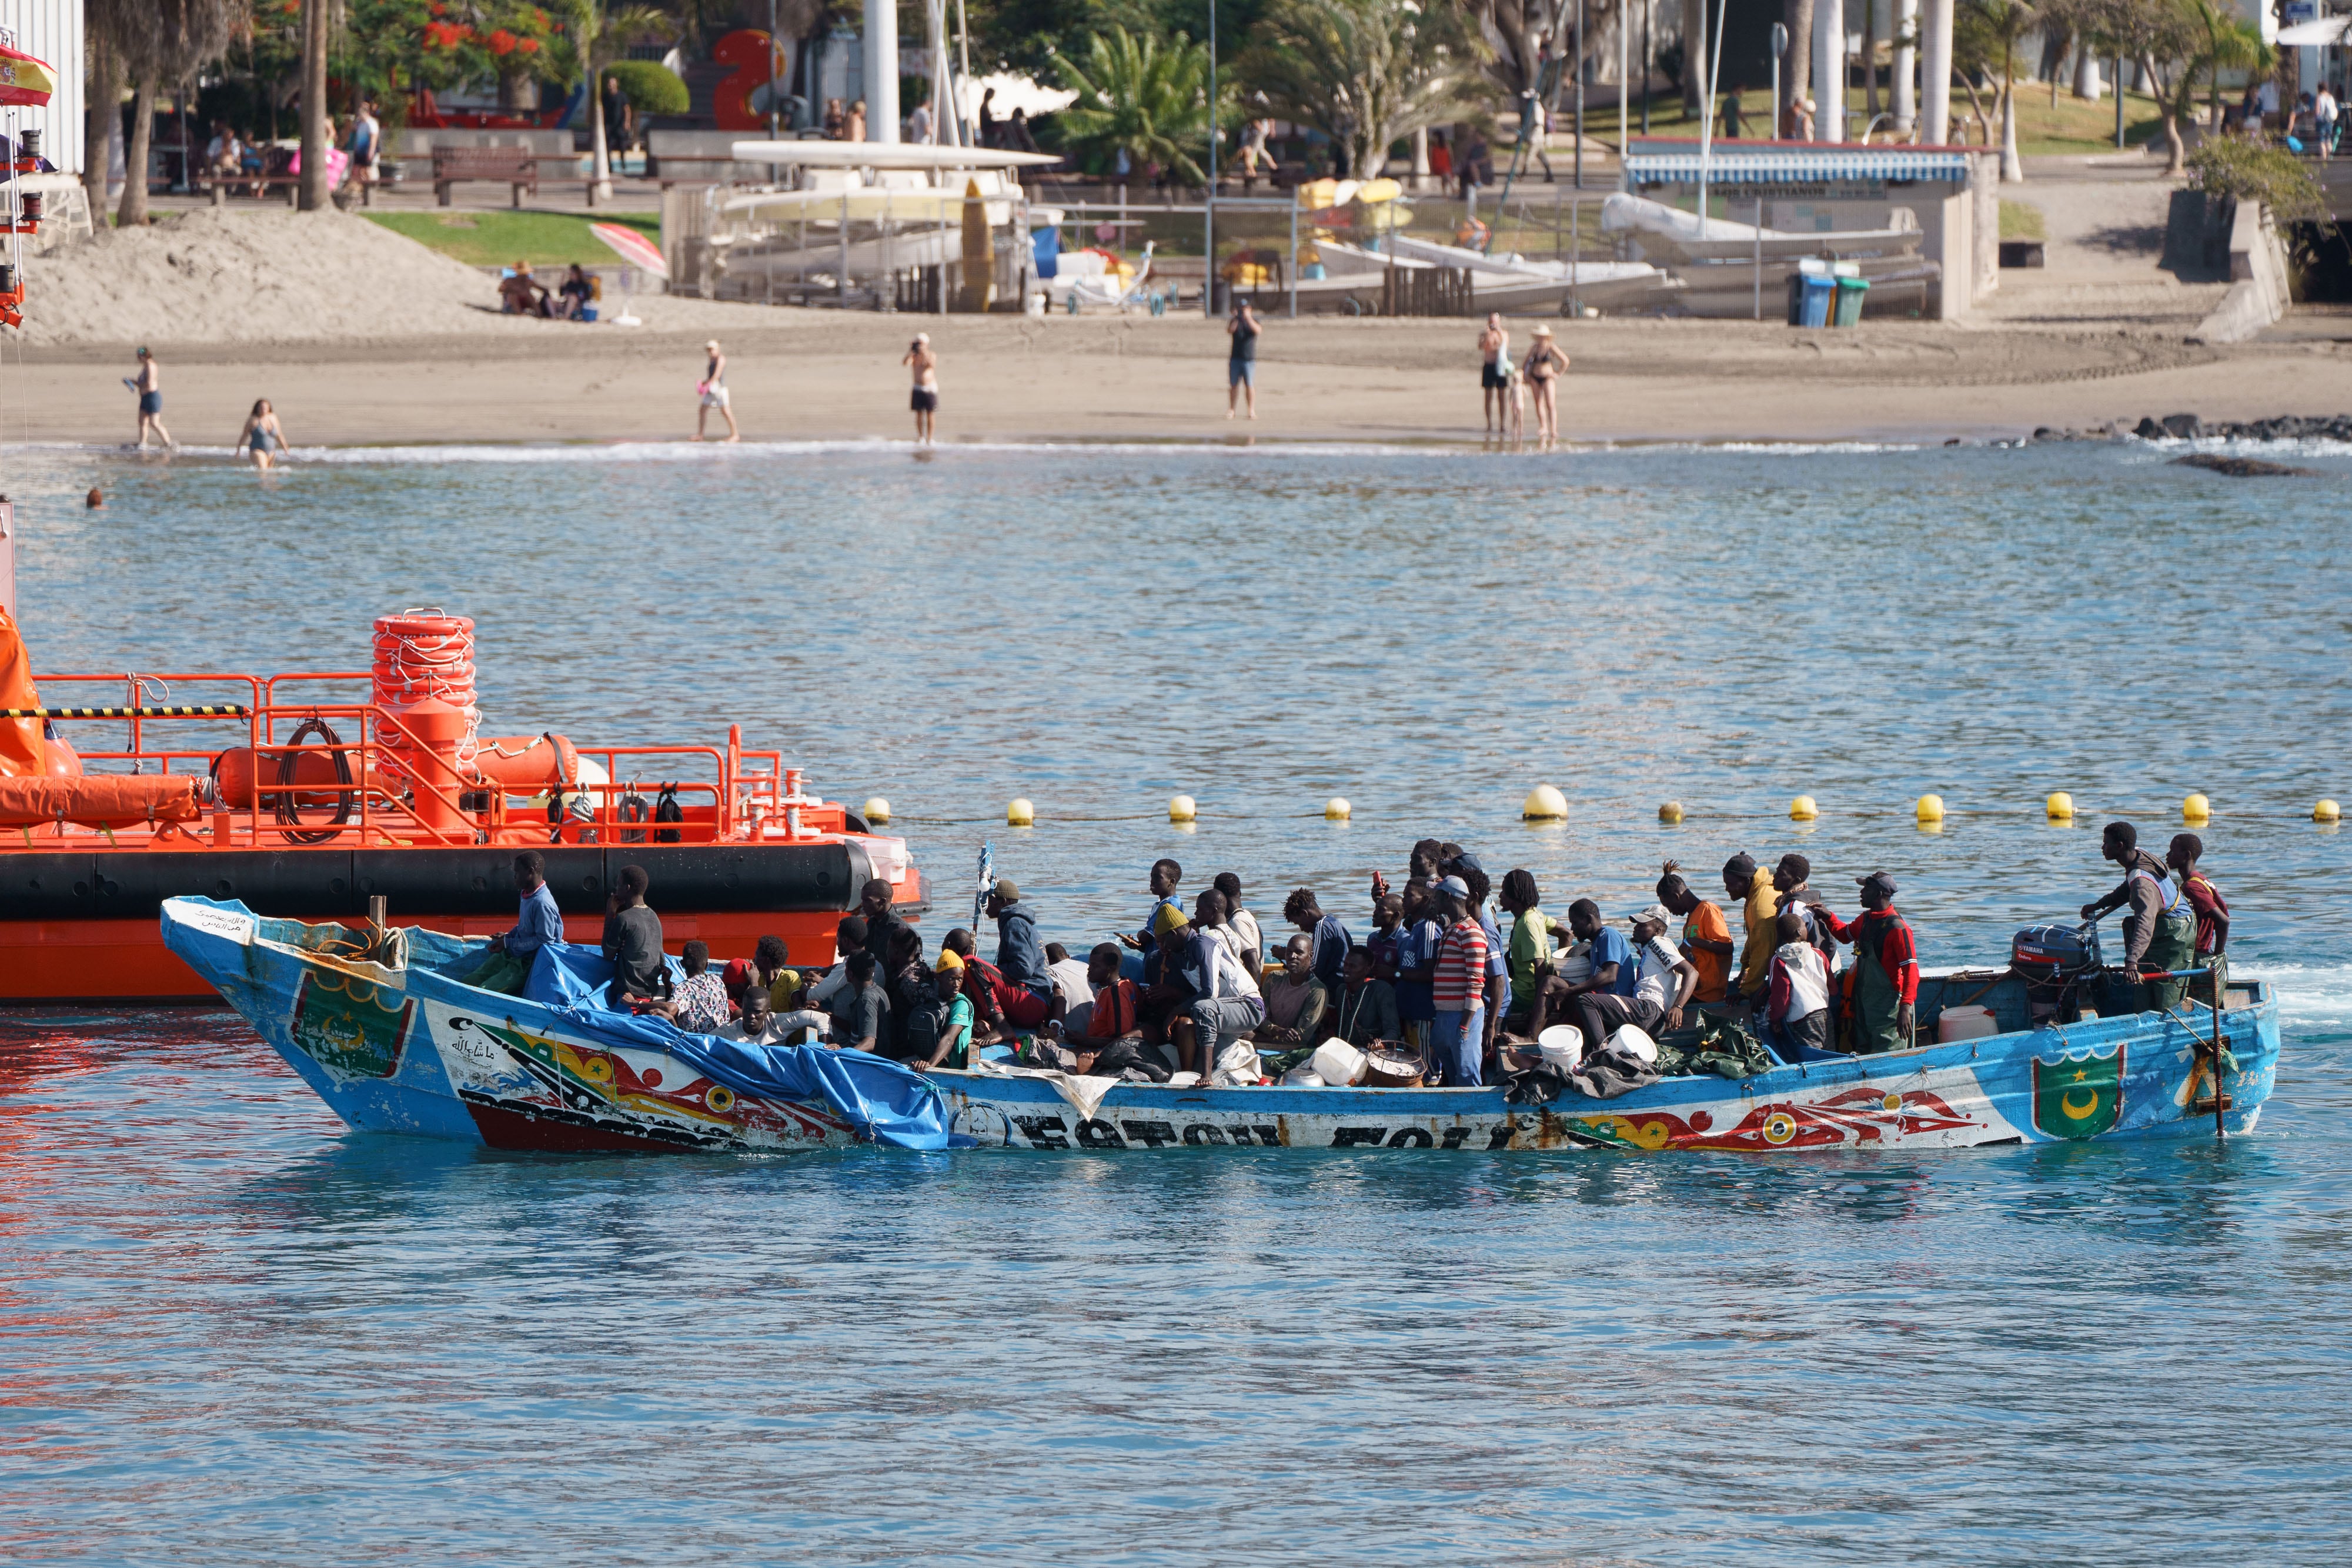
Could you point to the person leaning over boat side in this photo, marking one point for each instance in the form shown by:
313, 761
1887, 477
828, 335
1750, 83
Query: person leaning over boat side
1366, 1009
633, 942
1458, 987
537, 921
1211, 1033
2212, 910
1760, 907
1707, 939
262, 435
1885, 987
1797, 1006
702, 1006
2160, 931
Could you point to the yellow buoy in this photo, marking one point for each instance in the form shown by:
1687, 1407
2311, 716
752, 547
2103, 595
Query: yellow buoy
1020, 813
1180, 808
1337, 810
878, 810
2059, 807
1931, 808
1544, 804
1672, 811
2327, 812
2196, 809
1802, 809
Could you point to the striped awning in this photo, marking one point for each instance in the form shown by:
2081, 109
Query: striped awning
1744, 166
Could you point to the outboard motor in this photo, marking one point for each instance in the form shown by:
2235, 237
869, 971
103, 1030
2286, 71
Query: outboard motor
2053, 959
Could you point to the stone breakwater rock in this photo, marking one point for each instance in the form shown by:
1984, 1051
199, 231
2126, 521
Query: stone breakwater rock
2246, 468
2286, 428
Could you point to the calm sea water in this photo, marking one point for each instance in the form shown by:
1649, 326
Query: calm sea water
231, 1333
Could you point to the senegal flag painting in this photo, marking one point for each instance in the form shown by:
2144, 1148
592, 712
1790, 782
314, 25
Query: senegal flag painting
2078, 1096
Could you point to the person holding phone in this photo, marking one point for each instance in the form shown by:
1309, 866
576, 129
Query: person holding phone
925, 361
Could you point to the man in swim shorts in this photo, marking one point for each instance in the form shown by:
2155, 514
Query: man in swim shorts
1495, 372
148, 384
925, 400
1241, 367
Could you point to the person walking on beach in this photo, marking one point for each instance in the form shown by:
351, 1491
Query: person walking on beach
261, 437
1545, 365
1240, 368
148, 384
924, 360
713, 390
1495, 370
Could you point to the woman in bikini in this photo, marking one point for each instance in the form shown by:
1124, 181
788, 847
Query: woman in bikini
1545, 365
261, 437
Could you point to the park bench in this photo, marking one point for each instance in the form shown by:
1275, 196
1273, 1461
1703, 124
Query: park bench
515, 167
222, 187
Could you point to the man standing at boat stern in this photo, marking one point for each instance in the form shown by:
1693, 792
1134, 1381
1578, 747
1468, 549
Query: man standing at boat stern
632, 942
2160, 931
1886, 968
1458, 986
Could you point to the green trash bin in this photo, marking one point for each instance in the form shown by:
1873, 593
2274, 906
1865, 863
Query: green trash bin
1849, 292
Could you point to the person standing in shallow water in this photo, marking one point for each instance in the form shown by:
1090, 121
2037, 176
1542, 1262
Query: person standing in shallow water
1241, 366
924, 360
148, 384
713, 392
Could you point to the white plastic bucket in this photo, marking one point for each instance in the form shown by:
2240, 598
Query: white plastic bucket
1303, 1077
1964, 1023
1635, 1042
1337, 1062
1562, 1046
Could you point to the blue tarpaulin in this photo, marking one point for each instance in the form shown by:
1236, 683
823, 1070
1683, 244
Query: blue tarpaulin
887, 1102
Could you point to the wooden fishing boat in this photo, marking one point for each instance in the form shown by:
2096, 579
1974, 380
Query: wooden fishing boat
383, 1027
310, 793
2137, 1075
380, 1024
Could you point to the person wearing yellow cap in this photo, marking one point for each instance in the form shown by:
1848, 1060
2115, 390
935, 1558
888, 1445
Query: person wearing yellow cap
954, 1046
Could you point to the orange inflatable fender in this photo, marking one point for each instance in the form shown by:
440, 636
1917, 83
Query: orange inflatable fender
98, 801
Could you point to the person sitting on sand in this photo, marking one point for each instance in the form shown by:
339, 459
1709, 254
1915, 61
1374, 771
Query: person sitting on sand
924, 360
575, 293
262, 437
520, 294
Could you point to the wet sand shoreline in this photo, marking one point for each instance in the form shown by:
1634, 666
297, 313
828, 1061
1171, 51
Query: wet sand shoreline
831, 375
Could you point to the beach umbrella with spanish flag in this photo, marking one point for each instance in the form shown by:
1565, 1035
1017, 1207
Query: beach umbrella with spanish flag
24, 79
631, 248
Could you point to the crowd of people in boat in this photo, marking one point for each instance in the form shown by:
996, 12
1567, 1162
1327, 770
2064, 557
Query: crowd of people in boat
1457, 972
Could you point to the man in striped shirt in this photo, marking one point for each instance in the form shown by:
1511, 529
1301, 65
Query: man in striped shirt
1458, 1036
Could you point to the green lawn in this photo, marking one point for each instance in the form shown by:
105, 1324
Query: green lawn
2018, 221
2072, 126
501, 239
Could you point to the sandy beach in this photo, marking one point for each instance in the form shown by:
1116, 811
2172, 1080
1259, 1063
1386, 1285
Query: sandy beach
362, 337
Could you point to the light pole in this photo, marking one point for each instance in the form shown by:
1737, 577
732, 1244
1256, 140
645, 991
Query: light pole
1779, 48
1209, 205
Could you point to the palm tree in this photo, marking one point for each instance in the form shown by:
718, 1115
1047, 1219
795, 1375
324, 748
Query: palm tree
2003, 23
1141, 96
2231, 42
598, 37
1365, 72
155, 43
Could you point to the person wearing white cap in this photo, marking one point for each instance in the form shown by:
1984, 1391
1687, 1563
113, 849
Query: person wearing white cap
713, 391
1544, 367
925, 361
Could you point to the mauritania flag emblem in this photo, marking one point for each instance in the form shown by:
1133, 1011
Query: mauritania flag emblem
2078, 1096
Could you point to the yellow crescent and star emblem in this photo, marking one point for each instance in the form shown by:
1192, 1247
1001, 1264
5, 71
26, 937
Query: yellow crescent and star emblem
2078, 1096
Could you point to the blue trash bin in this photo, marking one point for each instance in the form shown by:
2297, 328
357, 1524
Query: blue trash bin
1819, 295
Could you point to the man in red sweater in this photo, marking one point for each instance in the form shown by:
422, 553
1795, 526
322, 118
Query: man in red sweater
1886, 968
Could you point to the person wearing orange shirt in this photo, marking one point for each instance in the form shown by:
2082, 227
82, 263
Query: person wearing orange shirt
1706, 938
